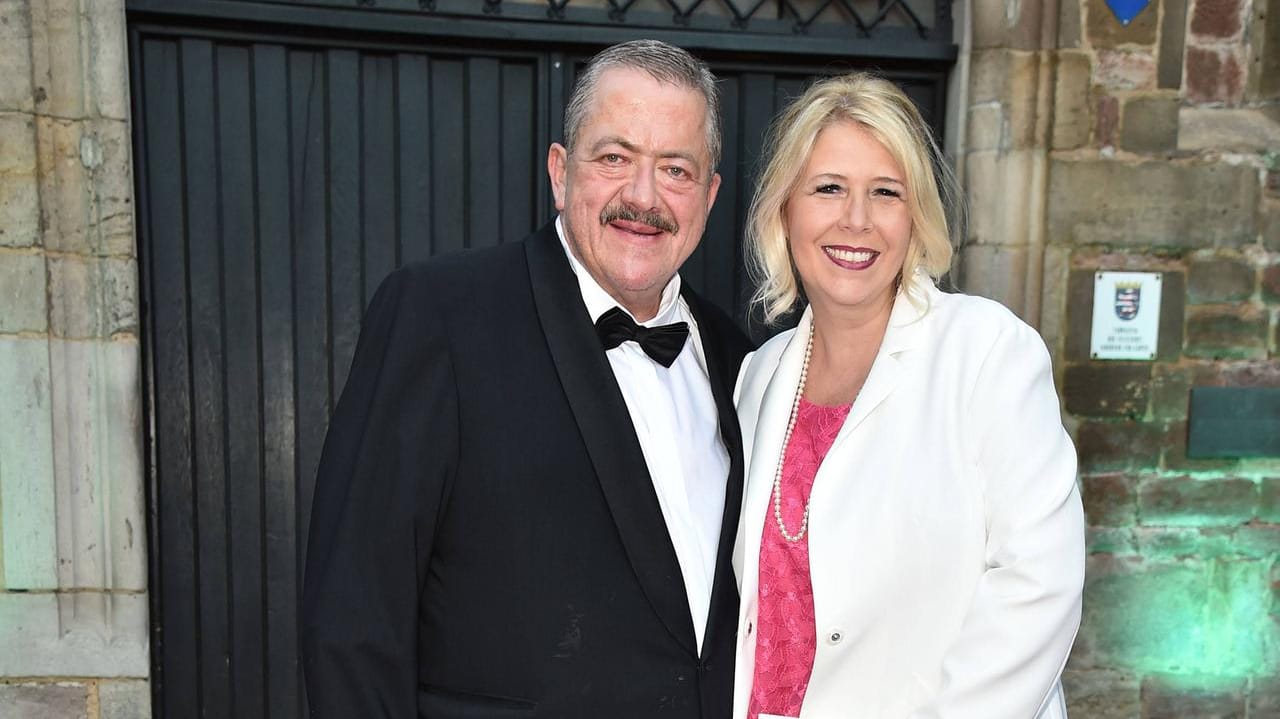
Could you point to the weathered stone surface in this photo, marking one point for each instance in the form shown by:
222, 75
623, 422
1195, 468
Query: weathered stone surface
994, 219
1109, 500
86, 185
985, 127
1186, 502
997, 272
22, 292
1071, 100
58, 58
1105, 31
1264, 698
1219, 128
1110, 389
15, 56
1269, 500
1100, 694
106, 59
1008, 77
124, 699
1271, 225
1257, 541
1163, 544
1217, 19
1120, 70
92, 298
1220, 279
1176, 459
1227, 333
1109, 540
1008, 25
1214, 75
1069, 24
64, 700
1106, 121
1180, 205
1119, 446
17, 144
19, 210
98, 464
1170, 392
1173, 28
26, 466
1178, 696
1271, 284
63, 635
1150, 124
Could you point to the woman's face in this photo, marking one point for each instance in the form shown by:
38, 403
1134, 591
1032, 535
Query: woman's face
848, 221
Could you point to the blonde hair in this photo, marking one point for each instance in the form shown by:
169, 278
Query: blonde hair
889, 115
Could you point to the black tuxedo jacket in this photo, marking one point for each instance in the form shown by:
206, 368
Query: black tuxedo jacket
485, 537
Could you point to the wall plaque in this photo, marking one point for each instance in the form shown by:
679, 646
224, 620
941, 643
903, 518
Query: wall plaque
1126, 315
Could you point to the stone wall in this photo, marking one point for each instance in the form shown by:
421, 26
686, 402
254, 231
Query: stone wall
73, 571
1151, 147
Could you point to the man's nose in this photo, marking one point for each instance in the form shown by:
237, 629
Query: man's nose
641, 190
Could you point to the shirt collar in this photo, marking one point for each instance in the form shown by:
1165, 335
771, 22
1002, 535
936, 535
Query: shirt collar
598, 301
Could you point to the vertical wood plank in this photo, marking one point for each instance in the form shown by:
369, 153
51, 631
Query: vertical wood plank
346, 265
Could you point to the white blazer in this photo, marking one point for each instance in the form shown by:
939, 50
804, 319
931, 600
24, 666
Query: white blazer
946, 535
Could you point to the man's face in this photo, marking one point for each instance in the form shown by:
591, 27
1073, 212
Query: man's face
635, 192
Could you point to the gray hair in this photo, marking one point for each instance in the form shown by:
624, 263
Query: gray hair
665, 63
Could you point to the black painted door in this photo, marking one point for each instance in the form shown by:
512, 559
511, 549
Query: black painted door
281, 173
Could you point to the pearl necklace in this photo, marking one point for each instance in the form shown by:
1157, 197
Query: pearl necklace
786, 440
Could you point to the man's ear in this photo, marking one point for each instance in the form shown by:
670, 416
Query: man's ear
557, 166
712, 190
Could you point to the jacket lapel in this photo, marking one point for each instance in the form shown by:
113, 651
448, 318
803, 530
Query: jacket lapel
724, 590
605, 424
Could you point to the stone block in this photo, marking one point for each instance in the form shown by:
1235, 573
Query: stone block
15, 56
59, 57
1071, 118
1170, 392
1220, 128
1100, 693
1111, 389
1119, 446
1109, 500
1152, 204
1264, 698
1122, 70
1105, 31
1007, 25
22, 292
1109, 540
1258, 541
1176, 459
985, 127
1271, 284
1163, 544
997, 272
1187, 502
1271, 226
1056, 269
1248, 373
1269, 500
26, 467
1010, 78
48, 634
98, 462
1217, 19
1176, 696
1173, 28
1214, 75
1220, 279
105, 46
19, 210
87, 185
1080, 315
92, 297
124, 699
1150, 124
63, 700
17, 144
1177, 616
1106, 121
1227, 333
1069, 24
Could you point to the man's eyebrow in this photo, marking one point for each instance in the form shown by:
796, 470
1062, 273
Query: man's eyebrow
632, 147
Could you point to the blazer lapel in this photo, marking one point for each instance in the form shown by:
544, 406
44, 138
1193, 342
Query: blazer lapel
724, 590
605, 424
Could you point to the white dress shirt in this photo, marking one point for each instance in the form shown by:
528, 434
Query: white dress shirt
676, 420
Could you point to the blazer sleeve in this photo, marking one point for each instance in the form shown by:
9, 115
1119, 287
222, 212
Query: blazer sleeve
389, 453
1025, 612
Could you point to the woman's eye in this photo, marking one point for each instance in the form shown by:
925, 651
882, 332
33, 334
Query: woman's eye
828, 189
887, 192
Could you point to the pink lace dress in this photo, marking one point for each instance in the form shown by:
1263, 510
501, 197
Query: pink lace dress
786, 634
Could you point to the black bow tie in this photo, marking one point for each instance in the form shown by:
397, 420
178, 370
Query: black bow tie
662, 343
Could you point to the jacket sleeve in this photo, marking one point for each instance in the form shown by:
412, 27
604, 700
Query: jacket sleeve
1025, 611
387, 459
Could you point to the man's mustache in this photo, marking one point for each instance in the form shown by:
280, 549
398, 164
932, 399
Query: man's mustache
652, 218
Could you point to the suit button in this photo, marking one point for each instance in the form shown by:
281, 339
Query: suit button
834, 637
750, 626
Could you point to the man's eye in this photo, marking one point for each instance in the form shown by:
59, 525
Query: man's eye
612, 158
677, 172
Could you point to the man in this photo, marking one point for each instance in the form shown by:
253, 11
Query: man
526, 502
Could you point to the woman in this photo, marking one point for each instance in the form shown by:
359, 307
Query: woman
918, 551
